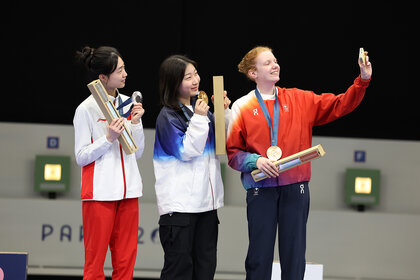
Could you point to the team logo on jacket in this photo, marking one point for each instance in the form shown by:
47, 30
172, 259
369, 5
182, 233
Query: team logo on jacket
255, 112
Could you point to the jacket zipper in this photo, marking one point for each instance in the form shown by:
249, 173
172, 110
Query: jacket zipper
123, 172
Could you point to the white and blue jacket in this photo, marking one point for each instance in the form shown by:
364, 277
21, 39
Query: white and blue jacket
187, 170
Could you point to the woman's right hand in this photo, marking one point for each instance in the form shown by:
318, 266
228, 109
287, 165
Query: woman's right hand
201, 107
115, 128
267, 167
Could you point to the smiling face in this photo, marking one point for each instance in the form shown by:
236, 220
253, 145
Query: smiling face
266, 70
190, 83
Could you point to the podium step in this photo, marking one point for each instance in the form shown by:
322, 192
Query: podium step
313, 271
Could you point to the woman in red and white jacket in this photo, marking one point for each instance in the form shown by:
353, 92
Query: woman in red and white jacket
267, 122
111, 181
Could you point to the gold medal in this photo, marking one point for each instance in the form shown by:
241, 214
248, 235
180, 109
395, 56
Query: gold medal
202, 95
274, 153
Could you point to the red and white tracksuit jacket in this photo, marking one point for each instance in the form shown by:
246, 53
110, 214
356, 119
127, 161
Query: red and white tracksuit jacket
107, 172
249, 135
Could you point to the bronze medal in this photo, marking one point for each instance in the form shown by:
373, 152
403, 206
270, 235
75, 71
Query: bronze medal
274, 153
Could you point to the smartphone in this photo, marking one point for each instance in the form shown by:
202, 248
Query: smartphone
362, 56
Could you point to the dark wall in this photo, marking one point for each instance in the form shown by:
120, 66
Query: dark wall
316, 45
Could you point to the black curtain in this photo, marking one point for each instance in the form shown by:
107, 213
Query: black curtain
316, 45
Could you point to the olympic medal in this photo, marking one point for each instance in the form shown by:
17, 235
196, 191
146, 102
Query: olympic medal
274, 153
202, 95
137, 97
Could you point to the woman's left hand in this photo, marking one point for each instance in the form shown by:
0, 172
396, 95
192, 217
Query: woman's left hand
365, 68
226, 100
136, 113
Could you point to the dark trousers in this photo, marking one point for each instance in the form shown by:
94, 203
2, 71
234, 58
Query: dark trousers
284, 208
189, 241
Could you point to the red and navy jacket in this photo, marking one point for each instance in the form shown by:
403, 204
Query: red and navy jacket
249, 135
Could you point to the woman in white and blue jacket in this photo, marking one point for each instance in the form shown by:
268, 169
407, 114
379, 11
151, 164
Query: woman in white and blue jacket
189, 186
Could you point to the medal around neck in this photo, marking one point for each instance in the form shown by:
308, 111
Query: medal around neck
274, 153
137, 97
202, 95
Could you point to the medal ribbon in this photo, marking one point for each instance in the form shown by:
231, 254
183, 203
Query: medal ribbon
184, 110
121, 106
275, 127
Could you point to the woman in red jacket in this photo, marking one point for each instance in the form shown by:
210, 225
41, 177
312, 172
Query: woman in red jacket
272, 122
111, 181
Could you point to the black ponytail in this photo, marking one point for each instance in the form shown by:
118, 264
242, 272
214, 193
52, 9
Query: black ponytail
103, 60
